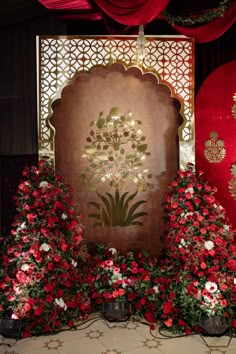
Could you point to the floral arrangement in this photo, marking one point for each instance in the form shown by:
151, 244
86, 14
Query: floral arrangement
129, 277
49, 280
45, 284
198, 270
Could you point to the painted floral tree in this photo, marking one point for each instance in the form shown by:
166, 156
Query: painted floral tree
116, 151
45, 284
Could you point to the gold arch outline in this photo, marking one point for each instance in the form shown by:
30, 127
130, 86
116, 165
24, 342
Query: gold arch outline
126, 66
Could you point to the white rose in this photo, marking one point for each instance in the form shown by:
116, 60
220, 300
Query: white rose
113, 251
64, 216
208, 245
24, 267
156, 289
43, 184
60, 302
44, 247
73, 263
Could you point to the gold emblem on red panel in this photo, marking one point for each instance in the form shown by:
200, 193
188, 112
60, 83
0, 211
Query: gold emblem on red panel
232, 182
234, 106
214, 148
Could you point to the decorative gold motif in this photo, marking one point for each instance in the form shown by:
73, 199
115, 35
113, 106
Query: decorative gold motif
234, 106
60, 57
232, 182
214, 148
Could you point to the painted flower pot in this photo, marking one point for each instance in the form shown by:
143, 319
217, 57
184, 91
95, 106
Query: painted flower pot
117, 311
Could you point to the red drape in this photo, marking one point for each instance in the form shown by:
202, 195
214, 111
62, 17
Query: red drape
132, 12
212, 30
135, 12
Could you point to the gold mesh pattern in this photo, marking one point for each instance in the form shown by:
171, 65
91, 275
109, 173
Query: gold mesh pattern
60, 57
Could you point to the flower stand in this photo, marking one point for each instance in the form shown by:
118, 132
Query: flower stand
215, 326
117, 311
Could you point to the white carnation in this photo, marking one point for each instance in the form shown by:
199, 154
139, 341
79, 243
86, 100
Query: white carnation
44, 247
156, 289
43, 184
24, 267
60, 302
209, 245
113, 251
73, 263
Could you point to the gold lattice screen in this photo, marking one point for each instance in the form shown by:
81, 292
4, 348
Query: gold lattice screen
59, 58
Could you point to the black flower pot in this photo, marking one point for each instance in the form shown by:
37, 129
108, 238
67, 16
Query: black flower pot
117, 311
10, 328
214, 325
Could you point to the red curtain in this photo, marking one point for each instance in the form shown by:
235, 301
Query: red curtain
132, 12
135, 12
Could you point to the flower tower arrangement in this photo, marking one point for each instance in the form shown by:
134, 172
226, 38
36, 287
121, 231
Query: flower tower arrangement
125, 278
46, 282
199, 267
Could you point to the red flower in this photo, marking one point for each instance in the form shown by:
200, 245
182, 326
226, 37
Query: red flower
167, 307
168, 322
38, 311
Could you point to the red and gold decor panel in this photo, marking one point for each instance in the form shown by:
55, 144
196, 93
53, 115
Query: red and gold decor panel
117, 129
215, 134
119, 151
60, 57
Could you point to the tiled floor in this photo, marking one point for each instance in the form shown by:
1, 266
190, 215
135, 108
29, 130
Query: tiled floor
98, 336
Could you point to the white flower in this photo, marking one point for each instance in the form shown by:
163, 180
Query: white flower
113, 251
44, 247
208, 245
23, 225
43, 184
60, 302
156, 289
64, 216
234, 281
211, 286
189, 190
73, 263
24, 267
226, 227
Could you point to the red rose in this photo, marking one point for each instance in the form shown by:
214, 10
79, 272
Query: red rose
49, 298
168, 322
167, 307
38, 311
27, 307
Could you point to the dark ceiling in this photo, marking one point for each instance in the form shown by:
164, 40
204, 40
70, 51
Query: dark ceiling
16, 11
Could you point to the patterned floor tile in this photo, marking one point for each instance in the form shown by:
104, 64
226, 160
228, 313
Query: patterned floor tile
122, 339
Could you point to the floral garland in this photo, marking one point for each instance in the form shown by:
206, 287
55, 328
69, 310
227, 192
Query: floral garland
203, 18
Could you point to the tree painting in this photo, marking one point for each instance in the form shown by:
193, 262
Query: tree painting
116, 151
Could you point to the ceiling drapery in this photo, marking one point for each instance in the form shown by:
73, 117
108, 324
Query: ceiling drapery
135, 12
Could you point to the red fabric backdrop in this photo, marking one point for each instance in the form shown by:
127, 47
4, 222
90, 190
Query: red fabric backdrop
136, 12
213, 113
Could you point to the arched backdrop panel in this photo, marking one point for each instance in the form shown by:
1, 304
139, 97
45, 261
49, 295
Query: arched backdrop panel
82, 150
83, 67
